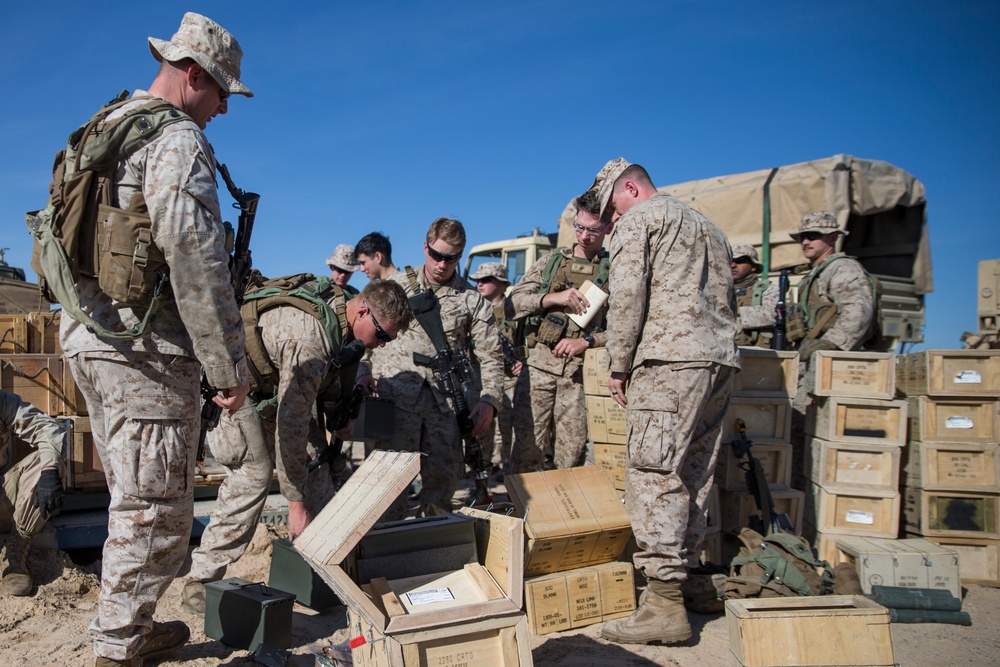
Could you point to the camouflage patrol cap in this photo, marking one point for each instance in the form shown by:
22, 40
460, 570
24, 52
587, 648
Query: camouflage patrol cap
748, 251
824, 222
208, 44
604, 183
343, 258
491, 270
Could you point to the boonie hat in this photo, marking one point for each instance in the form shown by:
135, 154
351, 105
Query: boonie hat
746, 250
343, 258
605, 181
208, 44
824, 222
491, 270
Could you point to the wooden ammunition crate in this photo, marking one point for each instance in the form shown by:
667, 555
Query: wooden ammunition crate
739, 506
978, 559
44, 380
952, 514
868, 513
767, 373
43, 332
711, 549
612, 459
775, 460
13, 334
907, 563
84, 468
606, 420
579, 597
952, 466
472, 613
809, 631
854, 374
963, 373
843, 466
573, 518
595, 372
954, 420
768, 420
862, 420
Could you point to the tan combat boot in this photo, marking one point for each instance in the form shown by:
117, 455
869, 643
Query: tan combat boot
165, 638
16, 578
661, 617
193, 597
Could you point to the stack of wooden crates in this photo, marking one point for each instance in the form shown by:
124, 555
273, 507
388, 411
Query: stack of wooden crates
605, 419
855, 432
32, 366
951, 490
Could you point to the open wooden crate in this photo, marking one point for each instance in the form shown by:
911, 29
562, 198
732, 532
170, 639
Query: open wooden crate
419, 619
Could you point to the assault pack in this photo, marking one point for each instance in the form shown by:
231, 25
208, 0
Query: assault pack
779, 565
81, 232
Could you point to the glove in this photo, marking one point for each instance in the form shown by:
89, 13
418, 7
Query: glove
49, 493
810, 346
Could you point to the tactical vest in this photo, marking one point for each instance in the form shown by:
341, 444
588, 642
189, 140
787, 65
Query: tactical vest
308, 293
752, 295
82, 232
557, 276
820, 315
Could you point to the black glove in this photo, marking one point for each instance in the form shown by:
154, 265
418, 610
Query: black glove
808, 347
49, 494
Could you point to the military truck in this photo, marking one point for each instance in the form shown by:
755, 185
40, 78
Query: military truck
516, 254
882, 207
17, 295
987, 337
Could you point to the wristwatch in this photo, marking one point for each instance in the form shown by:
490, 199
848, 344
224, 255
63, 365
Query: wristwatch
590, 339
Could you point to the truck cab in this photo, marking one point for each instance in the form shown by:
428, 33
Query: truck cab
516, 254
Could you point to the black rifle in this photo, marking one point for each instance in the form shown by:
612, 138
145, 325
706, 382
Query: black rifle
240, 265
779, 341
452, 372
344, 410
511, 353
769, 521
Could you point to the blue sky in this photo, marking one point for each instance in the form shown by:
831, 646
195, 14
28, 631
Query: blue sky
386, 115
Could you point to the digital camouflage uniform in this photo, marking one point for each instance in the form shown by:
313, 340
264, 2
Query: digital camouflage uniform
143, 395
755, 323
249, 446
425, 420
671, 325
498, 440
17, 486
549, 403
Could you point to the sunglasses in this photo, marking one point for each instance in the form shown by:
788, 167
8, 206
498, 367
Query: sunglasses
441, 257
742, 260
380, 333
810, 236
580, 229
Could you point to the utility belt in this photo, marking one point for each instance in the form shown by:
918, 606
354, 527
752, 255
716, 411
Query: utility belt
550, 329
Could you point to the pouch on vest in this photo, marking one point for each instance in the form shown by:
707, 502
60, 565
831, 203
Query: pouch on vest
552, 328
795, 325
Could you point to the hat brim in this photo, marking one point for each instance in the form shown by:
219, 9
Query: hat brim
164, 50
796, 235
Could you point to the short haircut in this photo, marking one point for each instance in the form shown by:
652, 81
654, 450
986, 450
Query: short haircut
389, 302
373, 243
633, 172
589, 202
450, 231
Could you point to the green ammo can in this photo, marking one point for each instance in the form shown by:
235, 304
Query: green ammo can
242, 614
290, 572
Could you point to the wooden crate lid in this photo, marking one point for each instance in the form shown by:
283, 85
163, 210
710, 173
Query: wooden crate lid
566, 502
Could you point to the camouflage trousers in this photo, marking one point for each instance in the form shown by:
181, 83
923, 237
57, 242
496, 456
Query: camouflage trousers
144, 414
547, 408
423, 427
674, 418
244, 445
17, 497
499, 438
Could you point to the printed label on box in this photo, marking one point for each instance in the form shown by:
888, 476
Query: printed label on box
430, 595
857, 516
959, 422
969, 377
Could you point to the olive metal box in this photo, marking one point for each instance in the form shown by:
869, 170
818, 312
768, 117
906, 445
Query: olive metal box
290, 572
242, 614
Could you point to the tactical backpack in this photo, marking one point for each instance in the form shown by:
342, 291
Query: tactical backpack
80, 232
779, 565
310, 294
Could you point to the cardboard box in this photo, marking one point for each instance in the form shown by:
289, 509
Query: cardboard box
606, 420
573, 518
978, 559
855, 374
245, 615
862, 420
595, 372
739, 506
437, 615
13, 334
774, 459
907, 563
954, 419
809, 631
44, 380
963, 373
612, 459
840, 466
952, 514
864, 513
767, 373
580, 597
768, 420
952, 466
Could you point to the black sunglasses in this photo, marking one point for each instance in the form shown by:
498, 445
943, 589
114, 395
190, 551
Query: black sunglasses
441, 257
380, 333
742, 260
810, 236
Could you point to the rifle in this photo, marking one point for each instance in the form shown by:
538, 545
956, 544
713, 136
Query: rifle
511, 353
240, 265
779, 341
769, 521
344, 410
452, 372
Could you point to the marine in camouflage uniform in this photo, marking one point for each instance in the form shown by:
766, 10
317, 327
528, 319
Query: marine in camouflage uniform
288, 432
756, 320
549, 404
425, 420
671, 334
492, 283
342, 264
28, 487
143, 395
